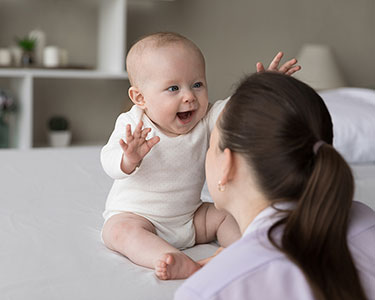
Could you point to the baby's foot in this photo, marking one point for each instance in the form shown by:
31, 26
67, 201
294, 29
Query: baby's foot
175, 265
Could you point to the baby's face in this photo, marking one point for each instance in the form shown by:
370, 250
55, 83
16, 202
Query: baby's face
174, 88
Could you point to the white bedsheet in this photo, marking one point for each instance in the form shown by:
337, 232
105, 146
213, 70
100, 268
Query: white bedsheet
51, 201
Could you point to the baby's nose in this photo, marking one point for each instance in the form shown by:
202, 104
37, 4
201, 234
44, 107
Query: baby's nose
189, 96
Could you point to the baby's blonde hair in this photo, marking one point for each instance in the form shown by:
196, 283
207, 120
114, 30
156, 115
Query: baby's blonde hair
153, 41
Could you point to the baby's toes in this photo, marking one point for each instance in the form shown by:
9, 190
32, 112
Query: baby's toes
164, 276
160, 264
161, 274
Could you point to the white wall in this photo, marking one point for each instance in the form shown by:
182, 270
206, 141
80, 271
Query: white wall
67, 24
235, 34
91, 106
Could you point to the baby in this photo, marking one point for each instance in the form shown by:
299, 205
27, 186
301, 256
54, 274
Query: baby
154, 208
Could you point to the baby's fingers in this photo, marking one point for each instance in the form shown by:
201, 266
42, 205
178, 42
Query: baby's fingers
153, 141
123, 145
293, 70
275, 62
145, 132
260, 67
138, 130
288, 65
128, 133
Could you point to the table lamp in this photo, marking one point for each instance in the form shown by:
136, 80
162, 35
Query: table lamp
319, 69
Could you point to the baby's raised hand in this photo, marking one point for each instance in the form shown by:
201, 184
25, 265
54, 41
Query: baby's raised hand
136, 147
287, 68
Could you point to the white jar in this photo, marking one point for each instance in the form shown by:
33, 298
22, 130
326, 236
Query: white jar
16, 53
51, 57
5, 57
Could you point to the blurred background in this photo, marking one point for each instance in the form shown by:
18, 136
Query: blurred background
80, 75
234, 35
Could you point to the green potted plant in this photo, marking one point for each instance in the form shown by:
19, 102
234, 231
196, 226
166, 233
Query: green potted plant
59, 133
27, 45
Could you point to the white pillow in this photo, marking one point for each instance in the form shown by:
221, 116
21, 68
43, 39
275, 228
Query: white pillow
353, 116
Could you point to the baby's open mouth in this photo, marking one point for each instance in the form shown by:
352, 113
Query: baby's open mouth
184, 115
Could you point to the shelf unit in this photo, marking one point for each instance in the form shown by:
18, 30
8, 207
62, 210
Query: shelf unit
109, 19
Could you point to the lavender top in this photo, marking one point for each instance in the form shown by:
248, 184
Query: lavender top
252, 268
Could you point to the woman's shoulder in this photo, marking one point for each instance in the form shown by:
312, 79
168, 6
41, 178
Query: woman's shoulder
246, 268
361, 242
361, 219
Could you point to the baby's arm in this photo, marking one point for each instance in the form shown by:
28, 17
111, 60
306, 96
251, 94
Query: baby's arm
136, 147
288, 68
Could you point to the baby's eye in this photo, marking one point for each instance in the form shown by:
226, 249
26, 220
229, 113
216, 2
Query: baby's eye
173, 88
198, 84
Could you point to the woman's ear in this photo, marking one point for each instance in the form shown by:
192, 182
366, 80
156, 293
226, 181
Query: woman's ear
136, 97
228, 166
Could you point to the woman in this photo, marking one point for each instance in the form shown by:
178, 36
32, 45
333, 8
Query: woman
272, 166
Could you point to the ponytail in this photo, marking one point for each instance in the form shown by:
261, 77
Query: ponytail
274, 121
315, 232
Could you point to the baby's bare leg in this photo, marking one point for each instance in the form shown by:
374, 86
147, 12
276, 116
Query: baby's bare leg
211, 224
135, 237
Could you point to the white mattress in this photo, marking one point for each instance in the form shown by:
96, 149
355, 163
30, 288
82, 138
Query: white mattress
51, 203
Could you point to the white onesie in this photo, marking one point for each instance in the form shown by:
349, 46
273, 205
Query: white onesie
166, 187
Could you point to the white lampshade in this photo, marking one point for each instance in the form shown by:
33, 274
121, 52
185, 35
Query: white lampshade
319, 69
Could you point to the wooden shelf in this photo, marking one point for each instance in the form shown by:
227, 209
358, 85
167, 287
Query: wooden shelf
61, 73
101, 35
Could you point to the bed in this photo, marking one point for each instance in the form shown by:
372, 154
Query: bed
50, 218
51, 203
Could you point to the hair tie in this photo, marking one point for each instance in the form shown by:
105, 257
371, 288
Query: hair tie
317, 145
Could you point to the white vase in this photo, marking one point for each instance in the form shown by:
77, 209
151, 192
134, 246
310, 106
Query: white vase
40, 38
59, 138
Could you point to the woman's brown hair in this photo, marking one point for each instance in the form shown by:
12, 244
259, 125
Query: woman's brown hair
274, 121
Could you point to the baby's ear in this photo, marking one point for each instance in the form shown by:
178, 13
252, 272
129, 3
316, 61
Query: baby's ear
136, 97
